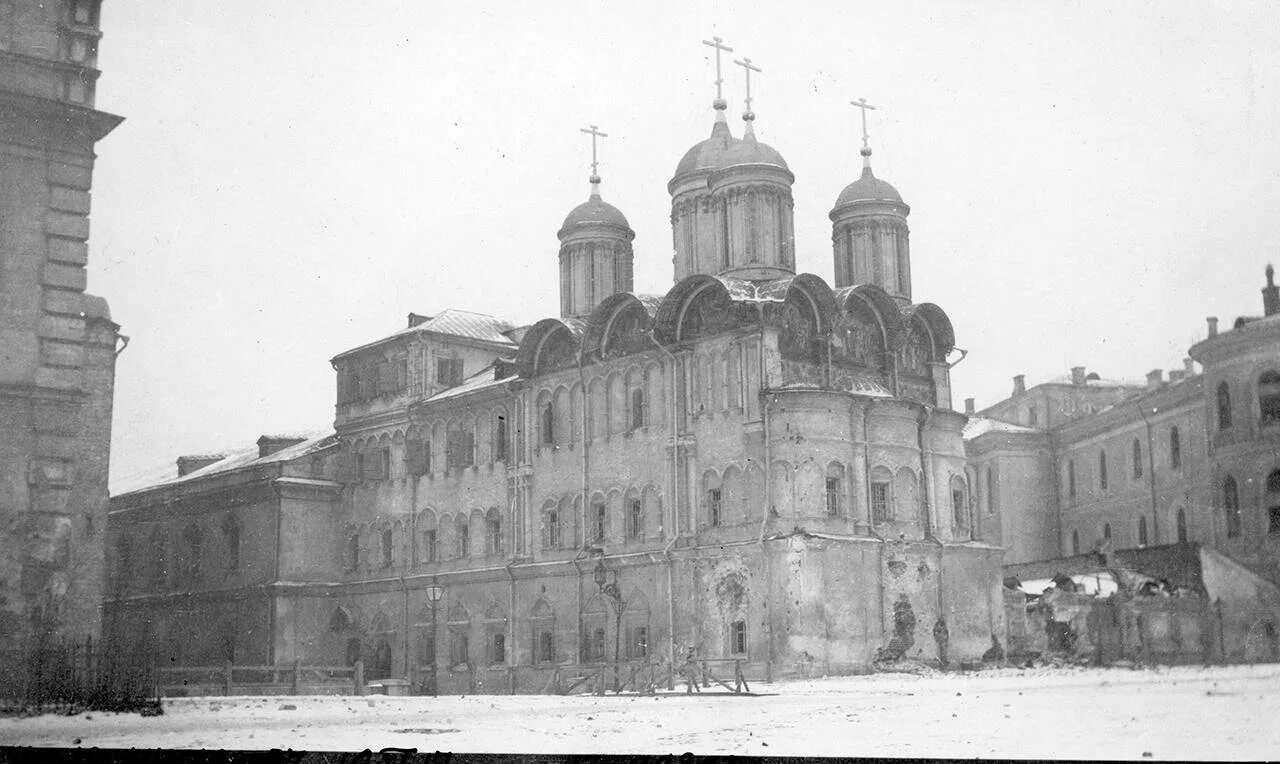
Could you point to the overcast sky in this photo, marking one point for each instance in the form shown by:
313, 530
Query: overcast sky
1087, 181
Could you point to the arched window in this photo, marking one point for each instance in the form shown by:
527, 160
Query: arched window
1102, 470
1224, 406
834, 489
192, 540
551, 527
1071, 478
388, 541
959, 503
881, 495
1269, 397
500, 439
638, 409
1137, 458
1075, 542
493, 531
548, 414
1231, 506
353, 551
1273, 503
1142, 530
1175, 449
1182, 525
713, 498
231, 536
992, 489
462, 536
430, 538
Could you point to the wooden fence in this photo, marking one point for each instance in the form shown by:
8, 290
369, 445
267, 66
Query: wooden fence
647, 677
78, 674
289, 679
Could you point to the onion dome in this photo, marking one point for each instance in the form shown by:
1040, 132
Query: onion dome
750, 151
593, 212
868, 188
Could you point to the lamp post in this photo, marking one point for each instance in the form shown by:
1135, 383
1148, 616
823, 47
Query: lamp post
434, 593
609, 588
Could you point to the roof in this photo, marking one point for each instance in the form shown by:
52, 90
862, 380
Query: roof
707, 153
464, 323
868, 188
750, 151
486, 377
233, 459
981, 425
594, 211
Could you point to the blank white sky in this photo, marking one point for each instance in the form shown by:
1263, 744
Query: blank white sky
1088, 181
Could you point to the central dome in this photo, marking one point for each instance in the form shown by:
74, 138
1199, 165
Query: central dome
707, 154
750, 151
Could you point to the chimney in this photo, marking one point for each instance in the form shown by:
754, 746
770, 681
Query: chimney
1189, 366
1077, 375
1019, 384
1155, 378
1177, 375
968, 407
189, 464
1213, 326
269, 444
1271, 294
415, 319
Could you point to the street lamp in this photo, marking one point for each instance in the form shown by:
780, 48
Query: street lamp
434, 593
609, 588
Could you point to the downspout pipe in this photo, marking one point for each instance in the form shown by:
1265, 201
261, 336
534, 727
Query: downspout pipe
765, 401
674, 529
1151, 473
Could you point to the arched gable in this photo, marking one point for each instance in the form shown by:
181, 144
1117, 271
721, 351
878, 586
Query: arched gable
941, 334
809, 294
619, 325
702, 306
550, 344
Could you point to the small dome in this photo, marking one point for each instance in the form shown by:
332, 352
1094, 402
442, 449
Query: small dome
750, 151
594, 211
868, 188
707, 154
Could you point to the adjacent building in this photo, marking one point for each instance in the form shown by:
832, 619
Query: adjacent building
58, 343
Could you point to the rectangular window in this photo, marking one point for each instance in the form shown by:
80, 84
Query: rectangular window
635, 519
460, 449
495, 536
449, 371
879, 502
426, 647
551, 525
384, 464
600, 515
545, 647
459, 649
353, 552
638, 642
1273, 526
429, 546
958, 508
833, 497
738, 638
497, 648
362, 471
500, 440
715, 507
464, 539
595, 649
386, 548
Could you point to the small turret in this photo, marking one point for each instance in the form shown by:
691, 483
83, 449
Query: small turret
596, 259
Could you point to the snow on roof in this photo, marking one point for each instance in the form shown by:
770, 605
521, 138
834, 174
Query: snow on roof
464, 323
981, 425
486, 377
232, 459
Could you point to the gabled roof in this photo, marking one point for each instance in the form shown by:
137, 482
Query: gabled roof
235, 458
451, 323
464, 323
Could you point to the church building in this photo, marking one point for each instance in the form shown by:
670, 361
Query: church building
752, 464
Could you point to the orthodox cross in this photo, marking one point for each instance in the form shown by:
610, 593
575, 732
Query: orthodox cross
716, 42
748, 68
861, 103
594, 132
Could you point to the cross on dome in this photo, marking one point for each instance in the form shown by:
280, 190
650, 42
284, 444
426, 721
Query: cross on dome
861, 103
718, 104
748, 116
595, 133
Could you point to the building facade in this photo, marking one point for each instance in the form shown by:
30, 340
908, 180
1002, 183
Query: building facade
753, 465
57, 343
1083, 463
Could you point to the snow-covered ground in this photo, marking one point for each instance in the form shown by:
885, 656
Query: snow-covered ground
1163, 713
